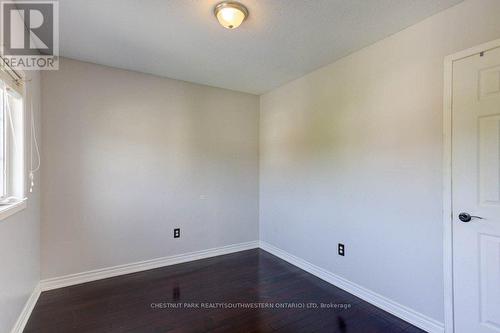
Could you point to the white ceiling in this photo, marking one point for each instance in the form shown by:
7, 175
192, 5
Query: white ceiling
181, 39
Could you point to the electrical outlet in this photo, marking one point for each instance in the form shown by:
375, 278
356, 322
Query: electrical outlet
341, 250
177, 232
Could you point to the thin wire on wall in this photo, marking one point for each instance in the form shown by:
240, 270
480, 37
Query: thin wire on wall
33, 143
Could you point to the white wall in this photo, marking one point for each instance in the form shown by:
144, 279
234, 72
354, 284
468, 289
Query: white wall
131, 156
352, 153
20, 241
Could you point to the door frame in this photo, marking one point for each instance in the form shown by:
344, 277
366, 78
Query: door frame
447, 177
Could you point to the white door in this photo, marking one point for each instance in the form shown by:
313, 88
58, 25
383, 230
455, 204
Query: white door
476, 191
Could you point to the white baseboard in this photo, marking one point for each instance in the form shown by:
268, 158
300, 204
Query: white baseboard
98, 274
22, 320
413, 317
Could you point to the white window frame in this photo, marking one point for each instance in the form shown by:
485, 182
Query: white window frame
15, 159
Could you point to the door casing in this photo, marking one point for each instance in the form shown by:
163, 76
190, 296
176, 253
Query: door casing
447, 177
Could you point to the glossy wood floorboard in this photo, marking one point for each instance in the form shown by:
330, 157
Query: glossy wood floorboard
223, 288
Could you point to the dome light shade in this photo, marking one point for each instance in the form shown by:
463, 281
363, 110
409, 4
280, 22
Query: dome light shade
230, 14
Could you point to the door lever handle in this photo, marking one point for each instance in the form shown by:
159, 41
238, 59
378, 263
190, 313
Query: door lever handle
466, 217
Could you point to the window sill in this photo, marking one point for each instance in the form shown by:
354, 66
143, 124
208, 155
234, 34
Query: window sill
9, 210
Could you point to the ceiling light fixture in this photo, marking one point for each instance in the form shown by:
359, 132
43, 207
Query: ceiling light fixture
230, 14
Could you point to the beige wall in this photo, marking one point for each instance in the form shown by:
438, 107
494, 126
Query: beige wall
352, 153
132, 156
20, 238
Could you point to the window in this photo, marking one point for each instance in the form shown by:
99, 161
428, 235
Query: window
11, 145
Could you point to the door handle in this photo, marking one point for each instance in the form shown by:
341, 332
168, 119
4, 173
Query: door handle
466, 217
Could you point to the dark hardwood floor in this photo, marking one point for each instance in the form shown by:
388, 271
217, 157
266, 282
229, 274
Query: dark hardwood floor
211, 295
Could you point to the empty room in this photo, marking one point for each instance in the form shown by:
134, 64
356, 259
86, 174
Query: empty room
249, 166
